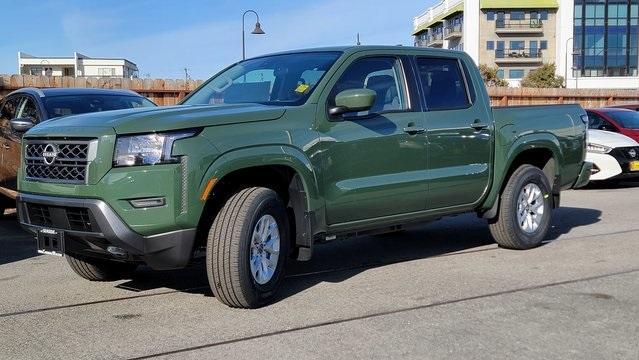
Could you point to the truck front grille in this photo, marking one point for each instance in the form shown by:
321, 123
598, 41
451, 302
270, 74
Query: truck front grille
57, 161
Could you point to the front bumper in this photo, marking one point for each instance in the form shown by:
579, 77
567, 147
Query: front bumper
91, 226
613, 165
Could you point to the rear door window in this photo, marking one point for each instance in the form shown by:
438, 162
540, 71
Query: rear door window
443, 84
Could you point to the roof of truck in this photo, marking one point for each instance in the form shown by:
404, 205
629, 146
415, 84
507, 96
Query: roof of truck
357, 48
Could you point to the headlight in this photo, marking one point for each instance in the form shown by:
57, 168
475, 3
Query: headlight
600, 149
148, 149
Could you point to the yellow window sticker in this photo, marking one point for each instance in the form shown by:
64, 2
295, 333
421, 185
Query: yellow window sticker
302, 88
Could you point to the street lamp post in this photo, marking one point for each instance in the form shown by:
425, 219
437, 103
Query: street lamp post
566, 64
257, 31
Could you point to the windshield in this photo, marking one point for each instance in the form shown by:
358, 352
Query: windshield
627, 119
271, 80
79, 104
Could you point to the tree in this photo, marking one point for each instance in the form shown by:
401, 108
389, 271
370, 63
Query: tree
543, 77
489, 74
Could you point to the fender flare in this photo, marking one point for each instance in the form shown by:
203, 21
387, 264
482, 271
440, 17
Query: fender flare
541, 140
263, 156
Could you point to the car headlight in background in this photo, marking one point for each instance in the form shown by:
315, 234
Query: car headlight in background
600, 149
148, 149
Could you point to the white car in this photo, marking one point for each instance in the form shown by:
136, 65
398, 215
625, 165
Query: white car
613, 155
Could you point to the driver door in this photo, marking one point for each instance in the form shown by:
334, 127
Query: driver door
374, 162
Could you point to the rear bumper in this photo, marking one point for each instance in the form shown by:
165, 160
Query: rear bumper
584, 175
94, 226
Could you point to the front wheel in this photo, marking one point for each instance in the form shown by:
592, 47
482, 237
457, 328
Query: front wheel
98, 269
247, 248
525, 210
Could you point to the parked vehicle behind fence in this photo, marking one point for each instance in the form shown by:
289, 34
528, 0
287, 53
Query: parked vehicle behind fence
24, 108
278, 152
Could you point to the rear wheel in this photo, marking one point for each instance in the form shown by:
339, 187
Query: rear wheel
525, 210
98, 269
247, 248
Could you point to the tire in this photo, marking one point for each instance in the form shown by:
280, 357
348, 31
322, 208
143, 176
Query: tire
230, 248
507, 230
98, 269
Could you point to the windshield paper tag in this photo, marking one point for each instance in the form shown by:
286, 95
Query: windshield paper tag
302, 88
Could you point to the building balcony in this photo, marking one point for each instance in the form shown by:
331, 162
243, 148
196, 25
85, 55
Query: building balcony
453, 32
436, 40
530, 26
518, 56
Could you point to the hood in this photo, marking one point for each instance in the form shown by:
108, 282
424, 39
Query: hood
158, 119
610, 139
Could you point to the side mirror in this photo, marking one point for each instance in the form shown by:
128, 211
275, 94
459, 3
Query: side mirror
21, 125
353, 100
607, 128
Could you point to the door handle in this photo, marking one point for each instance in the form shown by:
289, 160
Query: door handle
414, 130
478, 125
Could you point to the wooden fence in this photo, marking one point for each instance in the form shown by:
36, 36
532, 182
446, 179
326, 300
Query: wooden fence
160, 91
169, 92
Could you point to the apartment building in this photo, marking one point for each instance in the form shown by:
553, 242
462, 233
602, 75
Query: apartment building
516, 36
76, 65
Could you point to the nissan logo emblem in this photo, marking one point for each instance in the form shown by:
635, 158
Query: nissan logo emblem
50, 153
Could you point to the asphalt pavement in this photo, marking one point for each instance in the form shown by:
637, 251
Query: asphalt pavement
442, 291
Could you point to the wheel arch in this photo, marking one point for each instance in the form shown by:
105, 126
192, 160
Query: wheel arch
284, 169
542, 150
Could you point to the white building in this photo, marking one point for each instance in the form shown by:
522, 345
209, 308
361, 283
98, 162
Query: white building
77, 65
593, 43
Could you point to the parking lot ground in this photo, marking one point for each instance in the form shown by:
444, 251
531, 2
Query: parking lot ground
442, 290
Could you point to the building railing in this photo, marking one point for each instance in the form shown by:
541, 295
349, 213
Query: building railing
455, 29
518, 24
435, 38
518, 53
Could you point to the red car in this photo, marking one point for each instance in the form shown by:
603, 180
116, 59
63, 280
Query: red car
617, 120
634, 107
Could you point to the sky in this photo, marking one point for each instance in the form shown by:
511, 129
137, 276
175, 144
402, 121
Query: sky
163, 37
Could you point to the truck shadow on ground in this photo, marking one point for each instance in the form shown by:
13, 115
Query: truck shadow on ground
15, 244
342, 259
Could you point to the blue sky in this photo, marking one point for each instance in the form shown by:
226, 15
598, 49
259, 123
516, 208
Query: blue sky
163, 37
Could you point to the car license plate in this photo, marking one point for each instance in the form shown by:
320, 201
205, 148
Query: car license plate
634, 165
51, 242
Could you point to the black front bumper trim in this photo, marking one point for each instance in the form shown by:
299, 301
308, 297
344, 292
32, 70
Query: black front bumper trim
164, 251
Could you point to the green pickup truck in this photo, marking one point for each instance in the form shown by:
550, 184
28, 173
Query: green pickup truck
279, 152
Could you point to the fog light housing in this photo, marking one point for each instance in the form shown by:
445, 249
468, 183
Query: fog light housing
147, 202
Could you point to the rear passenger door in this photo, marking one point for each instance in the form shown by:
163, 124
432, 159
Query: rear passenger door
459, 132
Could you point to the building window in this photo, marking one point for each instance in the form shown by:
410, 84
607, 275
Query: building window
490, 15
500, 73
35, 71
106, 71
515, 74
543, 44
543, 15
517, 45
605, 37
490, 45
517, 15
